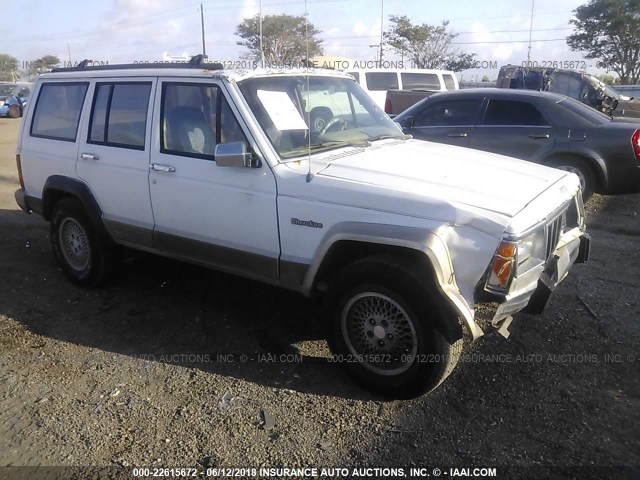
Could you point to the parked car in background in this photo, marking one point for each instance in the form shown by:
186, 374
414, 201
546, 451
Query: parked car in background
376, 82
541, 127
13, 99
572, 83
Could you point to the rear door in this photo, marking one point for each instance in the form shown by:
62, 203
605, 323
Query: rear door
114, 156
448, 121
516, 128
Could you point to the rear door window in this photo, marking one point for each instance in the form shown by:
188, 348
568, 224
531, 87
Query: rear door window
566, 84
511, 112
57, 111
119, 115
377, 81
427, 81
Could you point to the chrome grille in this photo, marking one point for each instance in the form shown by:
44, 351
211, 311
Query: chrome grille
553, 231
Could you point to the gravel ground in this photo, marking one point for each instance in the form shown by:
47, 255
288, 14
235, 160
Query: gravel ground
139, 373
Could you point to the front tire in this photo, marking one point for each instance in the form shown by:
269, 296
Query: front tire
81, 253
385, 328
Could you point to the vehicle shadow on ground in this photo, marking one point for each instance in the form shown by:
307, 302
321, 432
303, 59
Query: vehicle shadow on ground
163, 310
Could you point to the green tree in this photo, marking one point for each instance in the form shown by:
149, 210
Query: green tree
43, 65
609, 30
283, 39
8, 68
460, 61
426, 46
608, 79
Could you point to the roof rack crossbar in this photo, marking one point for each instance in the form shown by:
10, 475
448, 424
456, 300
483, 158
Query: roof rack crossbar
197, 61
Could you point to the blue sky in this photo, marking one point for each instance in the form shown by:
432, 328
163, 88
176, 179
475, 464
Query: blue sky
124, 31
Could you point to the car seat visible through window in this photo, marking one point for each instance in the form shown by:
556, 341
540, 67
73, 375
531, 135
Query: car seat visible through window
187, 131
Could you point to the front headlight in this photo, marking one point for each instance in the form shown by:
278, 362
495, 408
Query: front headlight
531, 250
514, 257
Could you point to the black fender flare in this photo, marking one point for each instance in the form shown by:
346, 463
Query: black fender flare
59, 186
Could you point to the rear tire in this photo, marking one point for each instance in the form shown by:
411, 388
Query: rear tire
385, 328
582, 169
14, 111
81, 253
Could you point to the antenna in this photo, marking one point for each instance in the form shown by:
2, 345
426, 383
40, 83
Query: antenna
306, 39
530, 30
204, 51
261, 48
381, 29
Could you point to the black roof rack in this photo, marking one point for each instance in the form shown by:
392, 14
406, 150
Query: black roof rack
197, 61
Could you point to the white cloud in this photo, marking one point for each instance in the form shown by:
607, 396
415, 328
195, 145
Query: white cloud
250, 8
367, 30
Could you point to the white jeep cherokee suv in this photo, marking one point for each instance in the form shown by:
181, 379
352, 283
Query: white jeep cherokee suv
409, 244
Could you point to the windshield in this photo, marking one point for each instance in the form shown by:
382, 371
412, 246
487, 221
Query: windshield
7, 89
315, 113
608, 91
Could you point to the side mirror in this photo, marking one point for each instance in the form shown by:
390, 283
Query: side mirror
408, 123
234, 154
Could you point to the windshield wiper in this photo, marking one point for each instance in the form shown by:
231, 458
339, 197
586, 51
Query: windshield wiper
314, 147
386, 136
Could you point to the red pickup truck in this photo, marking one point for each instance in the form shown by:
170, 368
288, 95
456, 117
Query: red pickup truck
398, 101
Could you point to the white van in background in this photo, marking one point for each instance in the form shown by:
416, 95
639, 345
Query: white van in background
377, 81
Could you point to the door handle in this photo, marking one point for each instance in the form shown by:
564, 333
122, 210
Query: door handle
158, 167
89, 156
457, 135
540, 135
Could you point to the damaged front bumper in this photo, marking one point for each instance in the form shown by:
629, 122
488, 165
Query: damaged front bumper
531, 292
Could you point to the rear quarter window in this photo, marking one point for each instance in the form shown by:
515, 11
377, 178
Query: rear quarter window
449, 82
57, 111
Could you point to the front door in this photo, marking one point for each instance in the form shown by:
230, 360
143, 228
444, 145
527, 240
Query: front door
446, 121
221, 216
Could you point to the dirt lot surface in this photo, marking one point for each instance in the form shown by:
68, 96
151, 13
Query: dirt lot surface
133, 374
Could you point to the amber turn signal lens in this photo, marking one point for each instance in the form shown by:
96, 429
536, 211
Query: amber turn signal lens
507, 250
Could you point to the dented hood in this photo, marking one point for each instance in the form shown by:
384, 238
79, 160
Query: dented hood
453, 174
